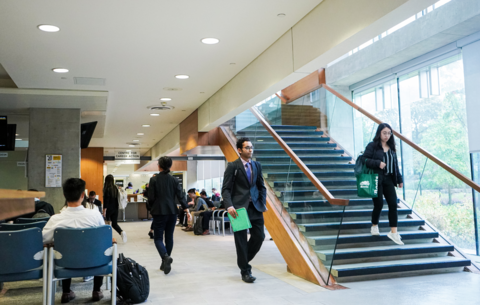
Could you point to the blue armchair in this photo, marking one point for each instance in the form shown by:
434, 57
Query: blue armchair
22, 257
80, 252
22, 226
29, 220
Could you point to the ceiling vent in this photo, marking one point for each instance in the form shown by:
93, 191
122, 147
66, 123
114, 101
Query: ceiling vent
89, 81
133, 143
163, 107
172, 89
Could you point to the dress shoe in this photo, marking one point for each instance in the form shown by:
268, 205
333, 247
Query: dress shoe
167, 264
206, 232
189, 229
67, 297
150, 234
97, 296
248, 278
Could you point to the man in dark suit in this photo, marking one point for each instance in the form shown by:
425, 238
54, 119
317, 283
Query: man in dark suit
92, 198
243, 187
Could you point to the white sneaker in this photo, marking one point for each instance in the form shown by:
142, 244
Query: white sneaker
396, 238
375, 231
124, 236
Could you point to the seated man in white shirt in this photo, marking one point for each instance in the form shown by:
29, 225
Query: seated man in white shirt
75, 216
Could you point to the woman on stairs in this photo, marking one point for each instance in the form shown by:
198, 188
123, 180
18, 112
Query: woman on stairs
381, 156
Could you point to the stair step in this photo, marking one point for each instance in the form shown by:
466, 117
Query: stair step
299, 144
266, 166
398, 266
277, 127
316, 192
327, 183
300, 151
282, 133
325, 203
347, 213
286, 159
297, 139
355, 253
367, 237
357, 225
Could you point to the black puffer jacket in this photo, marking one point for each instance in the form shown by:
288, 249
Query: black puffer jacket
374, 156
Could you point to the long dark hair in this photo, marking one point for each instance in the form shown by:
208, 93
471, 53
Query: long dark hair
109, 188
378, 137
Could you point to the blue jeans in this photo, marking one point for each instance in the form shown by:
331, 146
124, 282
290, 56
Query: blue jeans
164, 224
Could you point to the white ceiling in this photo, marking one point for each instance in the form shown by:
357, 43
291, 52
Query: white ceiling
138, 47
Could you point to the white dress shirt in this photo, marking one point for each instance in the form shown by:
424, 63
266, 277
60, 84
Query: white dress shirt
77, 217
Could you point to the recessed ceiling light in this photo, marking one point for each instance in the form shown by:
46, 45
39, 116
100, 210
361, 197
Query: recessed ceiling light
182, 76
281, 15
60, 70
131, 145
135, 140
165, 99
155, 114
18, 139
48, 28
210, 40
16, 134
145, 125
140, 134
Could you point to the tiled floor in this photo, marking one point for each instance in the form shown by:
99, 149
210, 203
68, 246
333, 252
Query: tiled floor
204, 271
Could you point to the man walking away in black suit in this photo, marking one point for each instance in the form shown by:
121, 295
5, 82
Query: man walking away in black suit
163, 190
243, 187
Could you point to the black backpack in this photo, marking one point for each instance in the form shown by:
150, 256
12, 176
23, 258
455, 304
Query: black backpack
133, 285
198, 227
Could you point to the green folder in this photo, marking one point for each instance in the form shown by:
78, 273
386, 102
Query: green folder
242, 222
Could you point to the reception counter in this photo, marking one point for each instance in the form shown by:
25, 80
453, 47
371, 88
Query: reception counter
135, 210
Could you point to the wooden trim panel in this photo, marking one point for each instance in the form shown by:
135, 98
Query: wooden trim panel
16, 207
332, 200
14, 194
424, 152
91, 169
306, 85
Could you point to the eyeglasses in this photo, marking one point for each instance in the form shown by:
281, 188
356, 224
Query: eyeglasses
248, 148
386, 133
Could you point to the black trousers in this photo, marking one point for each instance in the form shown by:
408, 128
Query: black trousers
164, 224
247, 249
97, 284
181, 217
206, 219
112, 215
385, 188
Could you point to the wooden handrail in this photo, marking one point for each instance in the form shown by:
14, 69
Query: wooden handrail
323, 190
430, 156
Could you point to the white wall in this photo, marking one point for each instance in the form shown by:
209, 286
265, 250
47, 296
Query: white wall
471, 68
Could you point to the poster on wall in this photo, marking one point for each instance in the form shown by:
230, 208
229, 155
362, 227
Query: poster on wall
53, 171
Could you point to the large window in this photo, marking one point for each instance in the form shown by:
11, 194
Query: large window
428, 106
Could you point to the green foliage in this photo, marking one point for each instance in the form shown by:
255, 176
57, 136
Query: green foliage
453, 220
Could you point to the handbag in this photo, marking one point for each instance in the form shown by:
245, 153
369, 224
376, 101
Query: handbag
367, 183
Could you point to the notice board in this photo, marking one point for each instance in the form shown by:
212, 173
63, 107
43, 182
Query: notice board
53, 171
